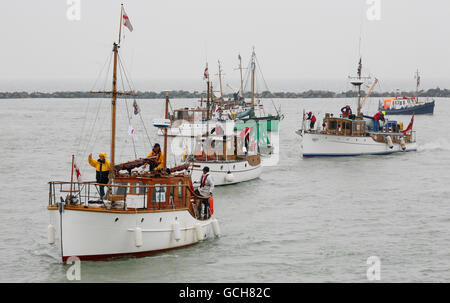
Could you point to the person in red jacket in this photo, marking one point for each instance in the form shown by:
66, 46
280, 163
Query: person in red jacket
313, 120
376, 118
346, 111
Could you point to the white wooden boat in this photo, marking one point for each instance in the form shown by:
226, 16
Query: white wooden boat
144, 211
354, 135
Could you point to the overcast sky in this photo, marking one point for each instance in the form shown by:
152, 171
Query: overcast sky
299, 44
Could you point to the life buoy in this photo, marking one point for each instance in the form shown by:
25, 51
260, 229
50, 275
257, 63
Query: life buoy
211, 204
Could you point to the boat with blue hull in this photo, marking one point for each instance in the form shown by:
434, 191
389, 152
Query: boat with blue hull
408, 105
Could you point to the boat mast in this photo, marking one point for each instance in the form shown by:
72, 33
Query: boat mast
242, 80
253, 81
165, 130
208, 105
220, 80
114, 99
358, 112
417, 84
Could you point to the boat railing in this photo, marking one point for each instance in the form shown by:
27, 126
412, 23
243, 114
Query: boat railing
124, 196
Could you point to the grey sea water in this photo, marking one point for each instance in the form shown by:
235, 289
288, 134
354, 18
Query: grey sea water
304, 220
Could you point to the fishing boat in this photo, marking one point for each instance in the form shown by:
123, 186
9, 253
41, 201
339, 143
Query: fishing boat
354, 135
143, 212
408, 105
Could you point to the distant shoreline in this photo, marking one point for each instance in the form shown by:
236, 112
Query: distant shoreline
433, 92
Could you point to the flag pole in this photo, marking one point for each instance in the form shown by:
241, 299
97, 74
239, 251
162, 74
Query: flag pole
71, 176
120, 26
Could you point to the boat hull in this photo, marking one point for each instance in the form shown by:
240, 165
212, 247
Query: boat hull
242, 171
99, 235
325, 145
427, 108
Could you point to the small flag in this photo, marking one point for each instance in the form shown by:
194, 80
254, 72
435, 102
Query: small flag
410, 125
132, 132
206, 73
246, 132
137, 110
77, 171
239, 57
126, 21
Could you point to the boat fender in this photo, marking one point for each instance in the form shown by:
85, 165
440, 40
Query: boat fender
138, 237
229, 177
402, 143
199, 231
51, 234
176, 231
211, 204
389, 142
216, 227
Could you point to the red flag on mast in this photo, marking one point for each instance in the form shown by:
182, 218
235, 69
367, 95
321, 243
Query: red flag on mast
206, 73
77, 171
126, 21
410, 125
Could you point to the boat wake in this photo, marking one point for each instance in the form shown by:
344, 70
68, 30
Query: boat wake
439, 145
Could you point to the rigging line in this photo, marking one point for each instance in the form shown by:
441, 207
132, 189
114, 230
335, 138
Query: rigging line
265, 83
79, 145
131, 88
98, 110
121, 70
93, 127
98, 134
107, 72
247, 74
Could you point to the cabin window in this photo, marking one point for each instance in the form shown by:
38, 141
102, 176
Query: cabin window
332, 124
159, 193
172, 194
180, 190
121, 190
138, 188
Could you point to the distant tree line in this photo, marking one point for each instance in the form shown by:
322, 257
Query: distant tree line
433, 92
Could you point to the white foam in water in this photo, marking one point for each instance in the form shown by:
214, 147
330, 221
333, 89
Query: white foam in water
437, 145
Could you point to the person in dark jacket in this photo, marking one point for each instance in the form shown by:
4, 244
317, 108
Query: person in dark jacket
102, 167
346, 111
313, 120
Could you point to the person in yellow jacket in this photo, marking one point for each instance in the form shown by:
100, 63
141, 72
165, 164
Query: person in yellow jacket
156, 151
102, 167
